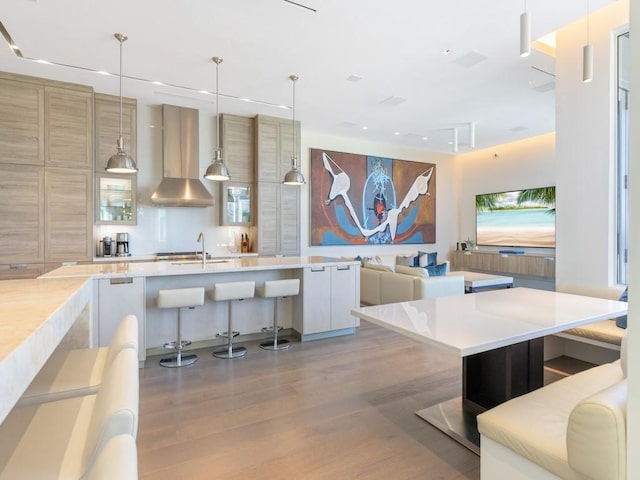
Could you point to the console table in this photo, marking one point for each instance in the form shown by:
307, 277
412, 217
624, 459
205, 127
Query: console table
527, 264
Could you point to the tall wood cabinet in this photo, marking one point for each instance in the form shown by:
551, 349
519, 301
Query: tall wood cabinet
46, 169
238, 145
116, 194
278, 215
21, 122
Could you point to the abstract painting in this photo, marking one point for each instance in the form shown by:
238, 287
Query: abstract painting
362, 199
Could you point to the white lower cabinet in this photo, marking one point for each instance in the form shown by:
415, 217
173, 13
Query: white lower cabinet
117, 297
328, 295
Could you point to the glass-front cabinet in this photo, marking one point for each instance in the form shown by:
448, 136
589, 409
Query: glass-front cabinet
236, 204
115, 200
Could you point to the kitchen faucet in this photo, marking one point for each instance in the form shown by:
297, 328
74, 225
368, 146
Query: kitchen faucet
204, 253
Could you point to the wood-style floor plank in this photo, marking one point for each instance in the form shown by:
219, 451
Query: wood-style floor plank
339, 408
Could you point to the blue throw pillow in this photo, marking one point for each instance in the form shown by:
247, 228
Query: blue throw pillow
431, 259
437, 270
622, 321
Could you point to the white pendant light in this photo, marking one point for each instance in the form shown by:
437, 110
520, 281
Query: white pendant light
294, 176
525, 33
121, 162
587, 55
217, 171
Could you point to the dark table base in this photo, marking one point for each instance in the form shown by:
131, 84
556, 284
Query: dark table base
488, 379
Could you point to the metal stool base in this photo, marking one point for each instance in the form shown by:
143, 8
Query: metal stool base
178, 361
281, 345
233, 352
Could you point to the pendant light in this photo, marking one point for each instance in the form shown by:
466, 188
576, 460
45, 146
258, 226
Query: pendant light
525, 33
121, 162
294, 176
217, 171
587, 55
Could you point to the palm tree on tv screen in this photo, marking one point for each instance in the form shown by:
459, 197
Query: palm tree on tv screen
487, 201
545, 196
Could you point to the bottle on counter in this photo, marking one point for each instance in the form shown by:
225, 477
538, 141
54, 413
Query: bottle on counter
244, 243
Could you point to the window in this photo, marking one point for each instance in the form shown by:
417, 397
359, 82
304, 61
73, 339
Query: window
623, 157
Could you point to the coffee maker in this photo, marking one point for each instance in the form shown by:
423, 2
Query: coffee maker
122, 245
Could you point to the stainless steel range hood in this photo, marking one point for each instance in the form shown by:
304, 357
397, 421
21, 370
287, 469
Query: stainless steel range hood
180, 186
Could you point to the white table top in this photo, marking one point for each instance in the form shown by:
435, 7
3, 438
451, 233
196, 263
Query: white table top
478, 322
193, 267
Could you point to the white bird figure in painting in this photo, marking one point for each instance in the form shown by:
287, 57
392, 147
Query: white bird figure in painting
340, 188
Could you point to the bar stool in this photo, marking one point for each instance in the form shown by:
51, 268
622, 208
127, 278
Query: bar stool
228, 292
180, 298
277, 289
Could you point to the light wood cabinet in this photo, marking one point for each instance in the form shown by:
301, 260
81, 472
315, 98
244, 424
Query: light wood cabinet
278, 224
289, 221
278, 215
21, 215
238, 147
21, 122
115, 195
21, 270
68, 219
107, 128
274, 146
68, 127
46, 170
530, 265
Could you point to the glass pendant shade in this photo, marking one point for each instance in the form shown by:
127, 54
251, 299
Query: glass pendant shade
217, 171
121, 161
294, 176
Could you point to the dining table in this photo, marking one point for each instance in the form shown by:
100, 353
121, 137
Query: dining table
499, 335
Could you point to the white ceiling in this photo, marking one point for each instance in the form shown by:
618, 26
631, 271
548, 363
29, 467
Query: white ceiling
395, 46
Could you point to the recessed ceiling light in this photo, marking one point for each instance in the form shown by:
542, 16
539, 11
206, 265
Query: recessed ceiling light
396, 133
425, 138
365, 127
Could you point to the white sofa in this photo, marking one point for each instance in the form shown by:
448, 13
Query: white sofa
386, 282
574, 428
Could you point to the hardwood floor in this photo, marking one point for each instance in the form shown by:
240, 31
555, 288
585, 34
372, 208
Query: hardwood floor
340, 408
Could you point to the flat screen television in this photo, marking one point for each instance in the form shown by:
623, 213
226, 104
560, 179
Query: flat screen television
519, 218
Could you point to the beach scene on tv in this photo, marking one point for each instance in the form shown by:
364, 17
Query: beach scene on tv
520, 218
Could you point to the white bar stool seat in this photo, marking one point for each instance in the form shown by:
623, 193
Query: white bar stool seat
79, 372
277, 289
180, 298
229, 291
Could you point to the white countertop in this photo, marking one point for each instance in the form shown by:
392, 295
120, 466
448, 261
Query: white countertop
34, 317
478, 322
191, 267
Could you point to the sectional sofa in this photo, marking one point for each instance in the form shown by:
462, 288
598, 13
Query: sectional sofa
383, 280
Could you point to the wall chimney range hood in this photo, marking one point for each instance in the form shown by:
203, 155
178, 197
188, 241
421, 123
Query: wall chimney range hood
180, 186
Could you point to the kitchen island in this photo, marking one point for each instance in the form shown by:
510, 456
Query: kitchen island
329, 289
